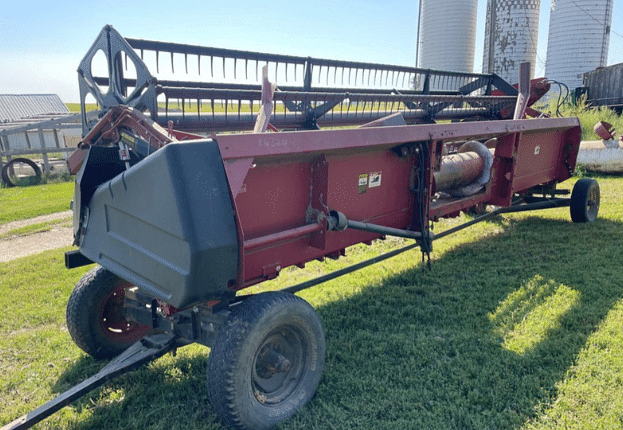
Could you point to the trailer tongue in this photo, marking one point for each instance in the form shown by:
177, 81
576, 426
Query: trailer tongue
142, 352
179, 223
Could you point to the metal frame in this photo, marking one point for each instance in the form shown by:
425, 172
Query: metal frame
65, 122
316, 92
142, 352
520, 207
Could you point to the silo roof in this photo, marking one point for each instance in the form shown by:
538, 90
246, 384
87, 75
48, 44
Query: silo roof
18, 106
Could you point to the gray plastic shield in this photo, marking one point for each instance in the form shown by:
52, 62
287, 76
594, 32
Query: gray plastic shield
167, 224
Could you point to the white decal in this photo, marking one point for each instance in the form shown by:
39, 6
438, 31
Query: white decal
375, 180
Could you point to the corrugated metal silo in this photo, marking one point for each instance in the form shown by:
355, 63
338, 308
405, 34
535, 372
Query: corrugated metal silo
447, 34
511, 37
579, 34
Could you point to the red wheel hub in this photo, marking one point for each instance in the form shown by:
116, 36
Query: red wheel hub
112, 318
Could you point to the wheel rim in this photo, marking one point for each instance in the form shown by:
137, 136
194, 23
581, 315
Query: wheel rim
112, 321
592, 203
279, 365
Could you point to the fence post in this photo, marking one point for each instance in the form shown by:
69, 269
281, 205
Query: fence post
27, 140
46, 163
7, 148
3, 143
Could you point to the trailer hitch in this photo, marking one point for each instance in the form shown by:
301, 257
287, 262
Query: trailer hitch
142, 352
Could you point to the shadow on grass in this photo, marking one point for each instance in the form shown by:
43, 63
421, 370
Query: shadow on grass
433, 350
479, 342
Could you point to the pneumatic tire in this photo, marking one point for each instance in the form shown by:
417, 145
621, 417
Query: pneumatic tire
12, 181
267, 361
95, 316
584, 205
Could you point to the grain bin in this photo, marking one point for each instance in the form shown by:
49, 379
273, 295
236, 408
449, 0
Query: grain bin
447, 34
511, 36
579, 34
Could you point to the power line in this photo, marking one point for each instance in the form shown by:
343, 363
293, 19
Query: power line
595, 19
534, 44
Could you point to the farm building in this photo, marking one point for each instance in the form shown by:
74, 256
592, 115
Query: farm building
31, 122
18, 107
604, 86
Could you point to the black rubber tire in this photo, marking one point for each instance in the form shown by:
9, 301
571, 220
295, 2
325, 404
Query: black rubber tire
584, 205
6, 177
95, 315
246, 391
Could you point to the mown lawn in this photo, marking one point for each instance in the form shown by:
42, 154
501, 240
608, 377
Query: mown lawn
518, 325
19, 203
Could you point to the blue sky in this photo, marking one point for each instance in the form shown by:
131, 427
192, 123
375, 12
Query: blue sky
42, 43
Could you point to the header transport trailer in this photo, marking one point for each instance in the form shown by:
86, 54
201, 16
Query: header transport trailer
180, 223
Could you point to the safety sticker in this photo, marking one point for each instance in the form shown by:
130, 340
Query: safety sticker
375, 180
363, 183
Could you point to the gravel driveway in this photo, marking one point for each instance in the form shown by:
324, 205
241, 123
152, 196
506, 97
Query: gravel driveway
60, 236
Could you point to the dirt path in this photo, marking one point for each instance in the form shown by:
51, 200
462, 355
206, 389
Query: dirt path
22, 246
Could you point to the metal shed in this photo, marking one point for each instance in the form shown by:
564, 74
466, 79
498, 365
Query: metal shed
605, 86
36, 124
15, 107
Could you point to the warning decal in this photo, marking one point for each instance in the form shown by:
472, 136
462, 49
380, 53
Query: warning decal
363, 183
375, 180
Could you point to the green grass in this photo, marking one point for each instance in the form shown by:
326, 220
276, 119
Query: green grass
588, 116
517, 326
75, 107
35, 228
26, 202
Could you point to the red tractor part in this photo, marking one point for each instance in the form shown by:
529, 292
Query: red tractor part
604, 130
538, 88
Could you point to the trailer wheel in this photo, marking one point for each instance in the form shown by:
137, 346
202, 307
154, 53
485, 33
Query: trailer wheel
95, 317
12, 179
585, 200
266, 362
